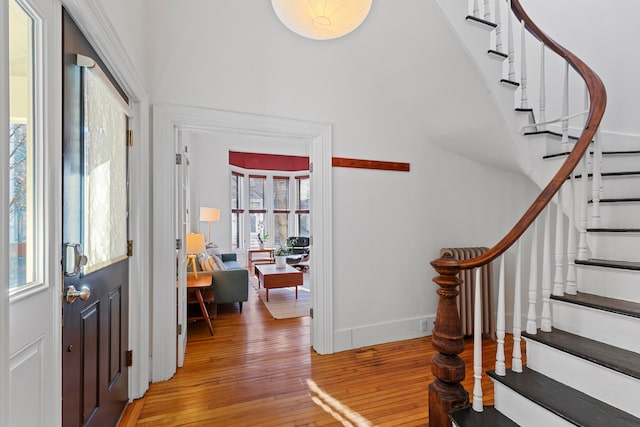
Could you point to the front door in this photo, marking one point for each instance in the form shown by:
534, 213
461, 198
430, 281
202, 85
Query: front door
95, 217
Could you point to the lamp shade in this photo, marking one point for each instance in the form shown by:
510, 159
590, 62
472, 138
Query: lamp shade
195, 243
321, 19
209, 214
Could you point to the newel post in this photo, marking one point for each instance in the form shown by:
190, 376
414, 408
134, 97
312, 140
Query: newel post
446, 392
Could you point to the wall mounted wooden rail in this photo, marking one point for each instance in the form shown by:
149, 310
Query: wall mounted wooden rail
343, 162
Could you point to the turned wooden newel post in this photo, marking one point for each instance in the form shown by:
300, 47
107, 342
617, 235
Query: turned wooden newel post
446, 392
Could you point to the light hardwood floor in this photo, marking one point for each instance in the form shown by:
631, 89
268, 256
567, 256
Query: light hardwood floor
257, 371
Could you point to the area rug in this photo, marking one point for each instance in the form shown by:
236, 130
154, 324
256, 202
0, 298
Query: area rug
282, 301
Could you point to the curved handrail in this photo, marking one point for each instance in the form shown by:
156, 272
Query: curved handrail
598, 97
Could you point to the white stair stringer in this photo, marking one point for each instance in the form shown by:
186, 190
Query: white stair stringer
523, 411
476, 40
609, 282
609, 386
621, 246
609, 328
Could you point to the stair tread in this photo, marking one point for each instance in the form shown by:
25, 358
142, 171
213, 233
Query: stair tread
614, 358
610, 263
490, 417
606, 174
564, 401
604, 153
612, 305
620, 200
613, 230
488, 24
550, 132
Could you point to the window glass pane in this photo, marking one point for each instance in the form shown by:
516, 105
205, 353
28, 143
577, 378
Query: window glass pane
303, 193
236, 221
256, 221
105, 130
281, 229
21, 149
281, 193
256, 193
235, 192
304, 225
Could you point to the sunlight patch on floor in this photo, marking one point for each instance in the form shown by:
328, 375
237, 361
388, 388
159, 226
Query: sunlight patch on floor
336, 409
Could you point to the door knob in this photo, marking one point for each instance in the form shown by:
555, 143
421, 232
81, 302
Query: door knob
72, 293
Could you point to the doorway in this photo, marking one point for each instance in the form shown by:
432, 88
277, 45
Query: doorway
169, 121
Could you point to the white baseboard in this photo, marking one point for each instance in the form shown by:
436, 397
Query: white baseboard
380, 333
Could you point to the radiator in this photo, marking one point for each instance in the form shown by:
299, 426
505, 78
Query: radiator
466, 296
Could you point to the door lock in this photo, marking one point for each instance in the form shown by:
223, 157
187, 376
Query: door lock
72, 293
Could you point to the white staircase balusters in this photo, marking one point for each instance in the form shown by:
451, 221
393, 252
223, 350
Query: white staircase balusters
500, 323
545, 322
487, 11
558, 278
498, 14
524, 101
565, 109
596, 185
532, 318
477, 345
511, 74
571, 287
516, 358
476, 9
543, 98
583, 253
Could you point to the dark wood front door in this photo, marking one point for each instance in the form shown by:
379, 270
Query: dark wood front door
95, 323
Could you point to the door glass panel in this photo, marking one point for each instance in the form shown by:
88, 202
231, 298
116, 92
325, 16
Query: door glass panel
105, 128
22, 226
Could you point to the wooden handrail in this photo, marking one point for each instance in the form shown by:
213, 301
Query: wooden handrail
598, 98
446, 392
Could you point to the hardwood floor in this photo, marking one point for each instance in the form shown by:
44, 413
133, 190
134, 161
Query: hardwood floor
258, 371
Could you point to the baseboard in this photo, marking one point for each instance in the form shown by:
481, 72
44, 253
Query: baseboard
381, 333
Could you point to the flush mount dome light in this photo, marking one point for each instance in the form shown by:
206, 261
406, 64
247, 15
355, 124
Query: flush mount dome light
321, 19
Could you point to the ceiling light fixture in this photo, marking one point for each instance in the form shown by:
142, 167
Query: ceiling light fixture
321, 19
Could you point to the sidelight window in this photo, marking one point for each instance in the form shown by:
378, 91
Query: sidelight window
23, 152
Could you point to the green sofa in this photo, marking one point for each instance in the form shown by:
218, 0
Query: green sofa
230, 285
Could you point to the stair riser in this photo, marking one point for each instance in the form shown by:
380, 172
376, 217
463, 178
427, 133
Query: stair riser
610, 163
618, 246
616, 187
609, 282
620, 162
609, 328
609, 386
523, 411
618, 215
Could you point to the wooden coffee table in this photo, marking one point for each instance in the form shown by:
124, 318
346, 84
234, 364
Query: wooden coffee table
271, 276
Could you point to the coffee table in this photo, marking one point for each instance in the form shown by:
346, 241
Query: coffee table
270, 277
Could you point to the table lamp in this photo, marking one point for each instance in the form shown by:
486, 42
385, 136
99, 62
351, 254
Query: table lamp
209, 215
195, 245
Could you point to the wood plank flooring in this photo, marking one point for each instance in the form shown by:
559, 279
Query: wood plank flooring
258, 371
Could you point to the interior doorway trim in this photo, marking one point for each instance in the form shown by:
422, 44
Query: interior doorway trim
168, 121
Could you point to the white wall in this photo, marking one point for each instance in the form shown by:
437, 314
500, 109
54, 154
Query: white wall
604, 35
128, 20
382, 90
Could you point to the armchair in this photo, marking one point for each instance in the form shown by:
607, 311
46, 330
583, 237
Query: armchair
300, 250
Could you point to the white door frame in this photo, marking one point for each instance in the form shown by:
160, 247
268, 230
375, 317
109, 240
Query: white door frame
167, 121
5, 389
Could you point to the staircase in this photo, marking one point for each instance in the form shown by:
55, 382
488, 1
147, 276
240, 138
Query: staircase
582, 293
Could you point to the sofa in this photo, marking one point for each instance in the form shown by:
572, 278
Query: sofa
229, 285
